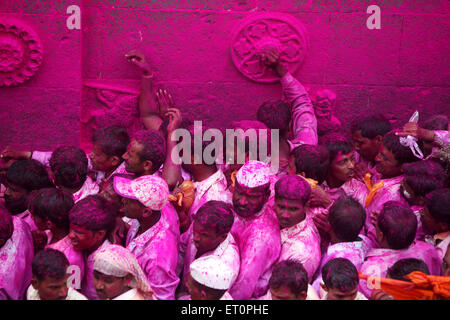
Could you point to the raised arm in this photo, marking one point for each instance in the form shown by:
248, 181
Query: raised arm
148, 109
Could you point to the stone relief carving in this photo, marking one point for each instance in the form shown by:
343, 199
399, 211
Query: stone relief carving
324, 102
261, 31
21, 52
116, 105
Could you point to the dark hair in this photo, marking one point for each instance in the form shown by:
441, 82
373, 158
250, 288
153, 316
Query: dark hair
275, 115
52, 204
347, 217
289, 273
313, 160
94, 213
372, 126
424, 176
336, 142
401, 153
436, 122
112, 140
216, 215
403, 267
341, 274
154, 147
293, 187
28, 174
6, 224
70, 166
438, 203
49, 263
398, 224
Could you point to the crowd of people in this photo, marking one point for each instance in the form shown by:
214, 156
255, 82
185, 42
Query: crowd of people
348, 215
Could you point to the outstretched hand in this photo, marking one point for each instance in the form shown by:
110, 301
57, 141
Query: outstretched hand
164, 102
271, 58
138, 58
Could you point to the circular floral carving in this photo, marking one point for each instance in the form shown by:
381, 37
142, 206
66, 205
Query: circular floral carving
20, 52
261, 31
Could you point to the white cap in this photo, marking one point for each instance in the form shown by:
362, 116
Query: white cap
213, 272
152, 191
254, 174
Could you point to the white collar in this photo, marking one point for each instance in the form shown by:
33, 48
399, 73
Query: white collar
129, 295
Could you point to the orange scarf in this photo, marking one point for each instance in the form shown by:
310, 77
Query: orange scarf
421, 287
372, 188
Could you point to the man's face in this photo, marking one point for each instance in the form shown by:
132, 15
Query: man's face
429, 224
367, 148
205, 239
99, 160
132, 208
249, 201
52, 289
132, 159
109, 287
289, 212
386, 164
342, 166
15, 198
284, 293
82, 238
336, 294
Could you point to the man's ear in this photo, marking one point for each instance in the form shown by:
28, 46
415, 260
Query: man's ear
378, 139
49, 225
147, 212
324, 287
148, 165
34, 283
100, 234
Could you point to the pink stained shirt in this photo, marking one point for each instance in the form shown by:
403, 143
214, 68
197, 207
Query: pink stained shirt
353, 188
379, 260
304, 122
227, 251
157, 253
259, 244
16, 256
301, 242
75, 257
87, 284
389, 192
212, 188
355, 251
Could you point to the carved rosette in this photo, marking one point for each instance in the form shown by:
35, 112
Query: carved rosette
20, 52
261, 31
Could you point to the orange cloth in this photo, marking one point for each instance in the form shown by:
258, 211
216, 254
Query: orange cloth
372, 188
421, 287
186, 196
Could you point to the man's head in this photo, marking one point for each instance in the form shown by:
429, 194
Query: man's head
392, 156
396, 226
421, 178
312, 161
291, 194
116, 270
275, 115
23, 177
346, 217
69, 166
211, 225
340, 279
146, 152
142, 196
211, 276
6, 226
436, 214
110, 144
49, 268
403, 267
342, 159
289, 281
50, 208
367, 135
252, 189
91, 220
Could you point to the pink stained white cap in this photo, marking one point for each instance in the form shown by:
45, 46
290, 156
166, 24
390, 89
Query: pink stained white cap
213, 272
151, 191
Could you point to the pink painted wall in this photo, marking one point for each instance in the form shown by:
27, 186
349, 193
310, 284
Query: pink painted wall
402, 67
